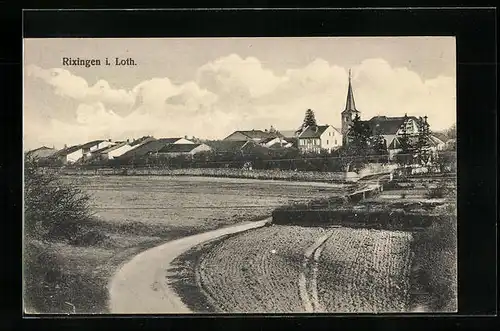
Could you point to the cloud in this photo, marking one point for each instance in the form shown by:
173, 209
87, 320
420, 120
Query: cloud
66, 84
234, 93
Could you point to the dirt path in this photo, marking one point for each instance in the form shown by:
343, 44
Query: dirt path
308, 288
140, 286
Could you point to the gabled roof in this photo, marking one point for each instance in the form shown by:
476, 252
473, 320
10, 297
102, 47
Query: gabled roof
289, 133
266, 140
91, 143
178, 148
227, 145
388, 125
141, 140
108, 149
313, 131
39, 149
67, 150
395, 143
148, 147
256, 134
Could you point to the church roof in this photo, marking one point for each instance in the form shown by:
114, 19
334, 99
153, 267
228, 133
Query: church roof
350, 105
388, 125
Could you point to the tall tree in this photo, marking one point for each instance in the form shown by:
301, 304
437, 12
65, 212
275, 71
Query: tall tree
309, 119
354, 153
377, 143
359, 136
423, 141
406, 144
451, 133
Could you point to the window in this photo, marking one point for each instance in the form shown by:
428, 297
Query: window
327, 142
335, 141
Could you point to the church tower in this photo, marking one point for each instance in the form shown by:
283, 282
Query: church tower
349, 112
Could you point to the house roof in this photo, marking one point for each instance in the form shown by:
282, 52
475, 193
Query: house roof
91, 143
141, 140
108, 149
395, 143
388, 125
178, 148
289, 133
148, 147
266, 140
67, 150
313, 131
41, 152
256, 134
227, 145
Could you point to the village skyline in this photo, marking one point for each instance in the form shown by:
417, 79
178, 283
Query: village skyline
237, 86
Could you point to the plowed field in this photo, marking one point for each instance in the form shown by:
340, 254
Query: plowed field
258, 271
286, 269
363, 270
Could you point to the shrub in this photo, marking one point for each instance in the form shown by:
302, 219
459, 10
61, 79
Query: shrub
439, 191
435, 262
52, 210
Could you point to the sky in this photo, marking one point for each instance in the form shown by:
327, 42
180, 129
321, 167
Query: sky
210, 87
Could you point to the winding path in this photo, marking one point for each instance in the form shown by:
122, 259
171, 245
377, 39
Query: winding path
140, 286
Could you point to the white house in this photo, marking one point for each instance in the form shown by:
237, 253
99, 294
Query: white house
255, 135
94, 145
183, 149
275, 142
68, 154
320, 137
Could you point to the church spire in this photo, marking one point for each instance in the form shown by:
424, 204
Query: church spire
350, 105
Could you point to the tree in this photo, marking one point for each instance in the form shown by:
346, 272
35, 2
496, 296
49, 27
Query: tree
422, 147
354, 153
309, 119
451, 133
359, 137
378, 144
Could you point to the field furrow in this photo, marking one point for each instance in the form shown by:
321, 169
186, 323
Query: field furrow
364, 270
258, 271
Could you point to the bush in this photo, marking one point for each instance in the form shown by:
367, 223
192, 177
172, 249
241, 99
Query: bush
52, 210
435, 261
439, 191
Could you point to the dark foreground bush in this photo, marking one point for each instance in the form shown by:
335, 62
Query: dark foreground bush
56, 212
435, 263
50, 287
53, 211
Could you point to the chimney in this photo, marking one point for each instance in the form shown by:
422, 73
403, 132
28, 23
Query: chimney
109, 139
65, 146
185, 137
128, 140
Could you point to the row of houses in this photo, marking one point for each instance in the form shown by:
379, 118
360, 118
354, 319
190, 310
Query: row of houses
309, 139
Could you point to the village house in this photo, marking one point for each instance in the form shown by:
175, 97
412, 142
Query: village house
255, 135
151, 147
41, 152
314, 139
94, 145
275, 142
68, 155
172, 150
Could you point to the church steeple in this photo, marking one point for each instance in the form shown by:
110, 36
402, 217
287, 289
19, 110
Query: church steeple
350, 105
349, 112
